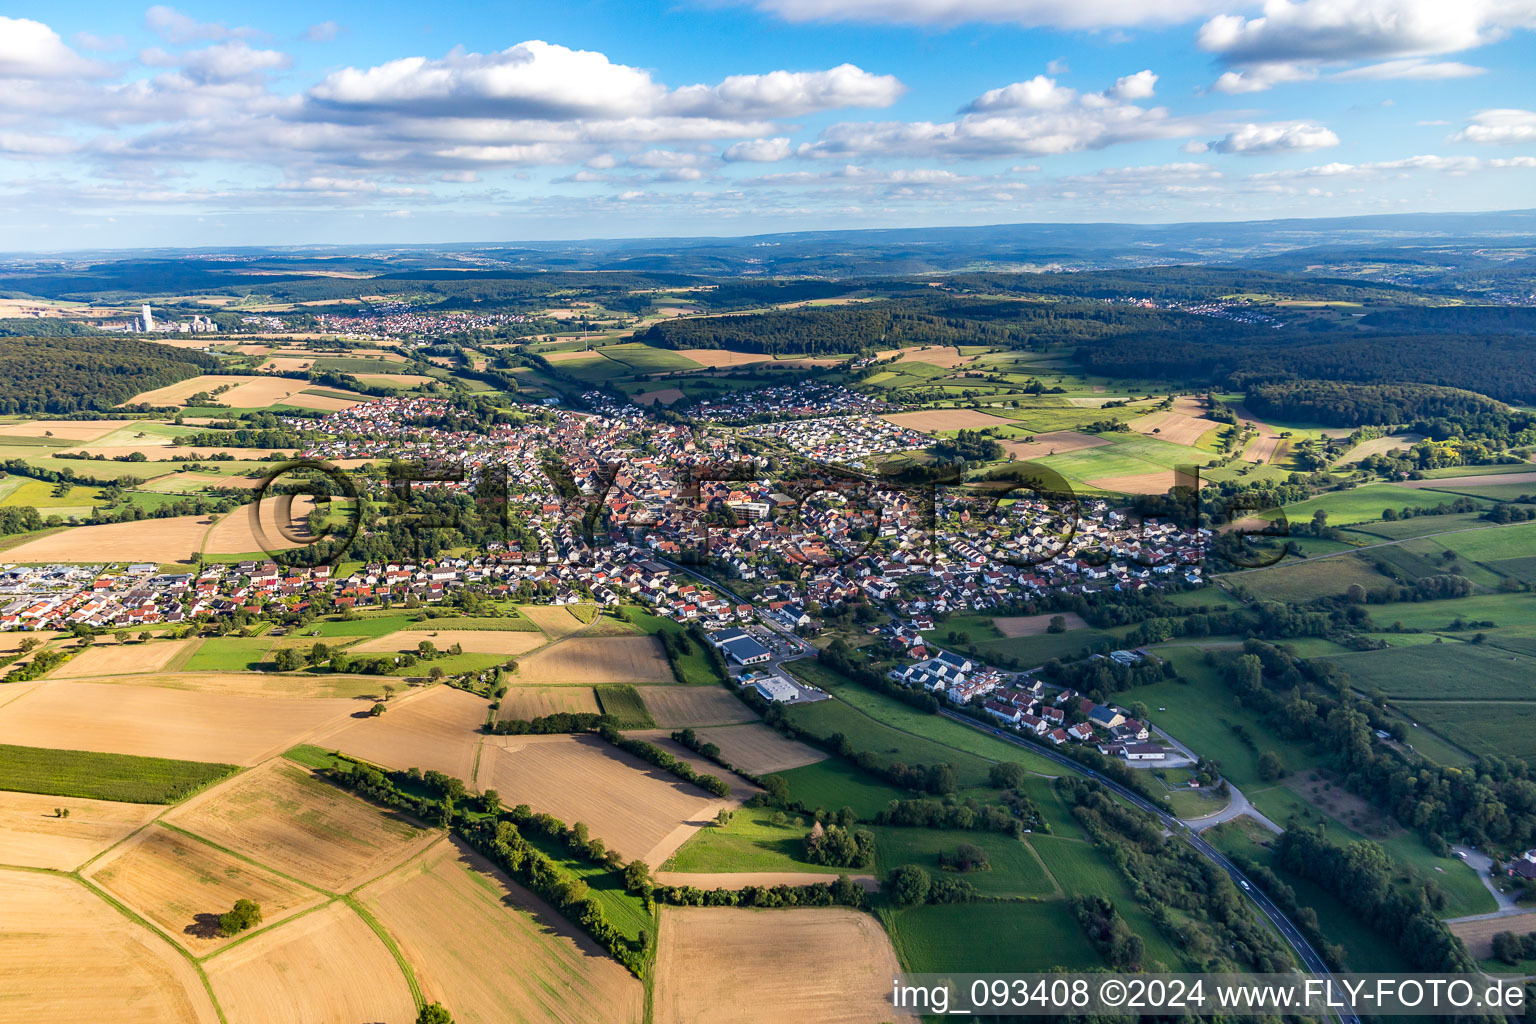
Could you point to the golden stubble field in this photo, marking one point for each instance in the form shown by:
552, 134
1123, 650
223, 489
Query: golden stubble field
154, 721
676, 706
286, 818
834, 966
756, 749
438, 728
589, 660
66, 956
635, 808
528, 702
472, 641
120, 659
183, 885
33, 836
494, 952
324, 966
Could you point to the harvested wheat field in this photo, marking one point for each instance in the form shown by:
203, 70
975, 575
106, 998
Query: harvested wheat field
11, 642
674, 707
182, 483
301, 825
1159, 482
635, 808
174, 539
33, 836
1173, 427
285, 364
65, 430
411, 379
718, 357
757, 750
473, 641
836, 965
1054, 442
571, 356
1034, 625
183, 885
588, 660
937, 355
324, 403
67, 956
438, 728
327, 966
1478, 935
176, 394
556, 620
154, 721
527, 702
121, 659
259, 684
1380, 446
272, 524
930, 420
666, 396
493, 951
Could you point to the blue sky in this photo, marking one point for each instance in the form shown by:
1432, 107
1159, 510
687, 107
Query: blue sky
343, 122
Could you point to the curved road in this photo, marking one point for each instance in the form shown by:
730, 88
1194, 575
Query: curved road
1304, 951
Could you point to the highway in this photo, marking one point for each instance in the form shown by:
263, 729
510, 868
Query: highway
1304, 950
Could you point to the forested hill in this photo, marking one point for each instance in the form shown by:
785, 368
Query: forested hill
1346, 405
1496, 365
923, 320
63, 375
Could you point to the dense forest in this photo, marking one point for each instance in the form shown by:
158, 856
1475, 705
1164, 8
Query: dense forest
1496, 365
1341, 404
936, 319
67, 375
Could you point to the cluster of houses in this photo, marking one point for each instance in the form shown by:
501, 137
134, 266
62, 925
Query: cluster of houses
843, 439
788, 401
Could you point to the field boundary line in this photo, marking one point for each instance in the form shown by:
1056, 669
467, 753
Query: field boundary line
254, 932
389, 943
242, 857
129, 913
179, 661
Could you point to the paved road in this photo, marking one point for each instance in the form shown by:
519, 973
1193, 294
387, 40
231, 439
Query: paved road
1483, 865
1298, 942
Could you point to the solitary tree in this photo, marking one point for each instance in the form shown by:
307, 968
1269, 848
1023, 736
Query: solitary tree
434, 1013
245, 914
121, 636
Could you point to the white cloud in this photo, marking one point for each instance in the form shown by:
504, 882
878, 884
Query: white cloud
538, 80
759, 151
223, 62
1290, 40
1038, 93
1134, 87
1072, 14
1328, 30
1409, 67
1452, 165
1059, 66
1253, 139
1500, 127
175, 27
30, 49
1261, 77
99, 44
323, 32
788, 93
